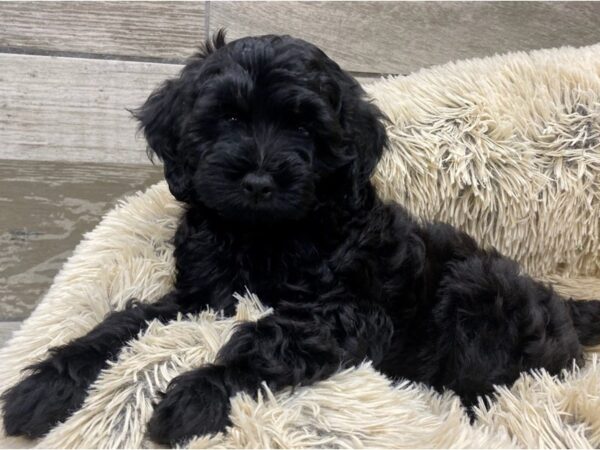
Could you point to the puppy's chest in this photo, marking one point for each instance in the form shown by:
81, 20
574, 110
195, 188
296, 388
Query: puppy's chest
275, 272
294, 268
290, 269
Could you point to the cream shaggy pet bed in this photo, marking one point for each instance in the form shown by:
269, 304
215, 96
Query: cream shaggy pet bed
507, 148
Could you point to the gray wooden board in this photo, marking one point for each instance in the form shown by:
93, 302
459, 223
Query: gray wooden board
75, 109
72, 109
46, 207
166, 30
401, 37
373, 37
6, 331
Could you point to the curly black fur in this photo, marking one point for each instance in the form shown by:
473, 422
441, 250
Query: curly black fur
271, 146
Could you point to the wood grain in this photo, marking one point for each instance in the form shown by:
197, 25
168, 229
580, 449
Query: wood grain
46, 207
74, 109
165, 30
70, 109
401, 37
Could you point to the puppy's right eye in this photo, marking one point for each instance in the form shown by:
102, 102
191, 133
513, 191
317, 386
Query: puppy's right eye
302, 130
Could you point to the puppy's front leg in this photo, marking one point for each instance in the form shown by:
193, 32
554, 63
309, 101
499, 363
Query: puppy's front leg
58, 385
298, 345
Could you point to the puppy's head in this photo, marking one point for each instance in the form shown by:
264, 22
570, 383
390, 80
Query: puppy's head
263, 129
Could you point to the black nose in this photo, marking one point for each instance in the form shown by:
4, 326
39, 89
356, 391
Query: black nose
259, 186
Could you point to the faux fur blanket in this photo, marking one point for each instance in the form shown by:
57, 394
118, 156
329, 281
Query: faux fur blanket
507, 148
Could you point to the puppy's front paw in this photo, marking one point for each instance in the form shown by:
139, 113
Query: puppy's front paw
196, 403
43, 399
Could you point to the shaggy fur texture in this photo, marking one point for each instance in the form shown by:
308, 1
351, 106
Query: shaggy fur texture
506, 149
234, 335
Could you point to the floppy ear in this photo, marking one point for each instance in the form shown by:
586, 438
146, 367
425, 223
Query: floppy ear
363, 123
161, 118
163, 115
364, 134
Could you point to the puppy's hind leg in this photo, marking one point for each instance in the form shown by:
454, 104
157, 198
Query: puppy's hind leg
586, 319
57, 386
495, 323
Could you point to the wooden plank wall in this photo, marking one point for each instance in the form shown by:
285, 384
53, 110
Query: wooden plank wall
70, 70
401, 37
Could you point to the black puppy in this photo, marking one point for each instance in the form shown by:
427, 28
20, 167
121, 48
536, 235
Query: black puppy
271, 147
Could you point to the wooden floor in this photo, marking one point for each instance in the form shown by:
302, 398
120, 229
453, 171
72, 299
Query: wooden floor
47, 206
71, 70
